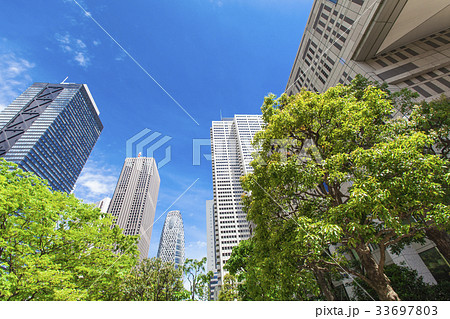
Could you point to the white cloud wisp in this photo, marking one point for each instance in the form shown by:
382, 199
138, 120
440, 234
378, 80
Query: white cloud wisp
95, 182
75, 47
14, 77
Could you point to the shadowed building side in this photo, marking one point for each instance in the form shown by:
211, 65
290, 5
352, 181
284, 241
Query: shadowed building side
211, 264
405, 43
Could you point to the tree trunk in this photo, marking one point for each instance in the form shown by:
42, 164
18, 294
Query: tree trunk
441, 239
384, 290
324, 288
378, 280
193, 291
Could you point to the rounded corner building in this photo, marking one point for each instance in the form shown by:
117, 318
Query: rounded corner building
171, 244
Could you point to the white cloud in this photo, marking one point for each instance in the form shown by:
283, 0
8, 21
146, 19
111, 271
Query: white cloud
218, 3
199, 244
63, 39
81, 44
120, 57
82, 59
96, 182
75, 47
195, 250
14, 77
95, 186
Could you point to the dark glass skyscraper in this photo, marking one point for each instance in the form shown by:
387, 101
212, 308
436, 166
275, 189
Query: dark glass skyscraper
50, 130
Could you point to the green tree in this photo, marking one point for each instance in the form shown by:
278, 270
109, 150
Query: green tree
229, 291
194, 271
434, 118
240, 272
269, 269
54, 247
154, 280
408, 285
335, 164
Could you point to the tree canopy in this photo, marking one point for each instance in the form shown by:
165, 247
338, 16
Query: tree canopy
229, 291
408, 284
268, 270
55, 247
154, 280
346, 175
197, 277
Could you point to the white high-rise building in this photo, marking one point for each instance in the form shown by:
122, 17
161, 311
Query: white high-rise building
171, 244
134, 200
211, 249
103, 204
231, 151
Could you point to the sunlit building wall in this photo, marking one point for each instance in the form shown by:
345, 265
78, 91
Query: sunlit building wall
171, 245
231, 150
133, 204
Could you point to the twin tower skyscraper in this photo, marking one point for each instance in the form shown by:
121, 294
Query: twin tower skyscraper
51, 129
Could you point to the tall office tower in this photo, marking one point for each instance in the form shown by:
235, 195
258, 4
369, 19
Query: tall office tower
50, 130
210, 237
171, 244
211, 248
103, 204
134, 200
231, 152
405, 43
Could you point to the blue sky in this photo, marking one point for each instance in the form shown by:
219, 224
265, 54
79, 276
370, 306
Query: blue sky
212, 57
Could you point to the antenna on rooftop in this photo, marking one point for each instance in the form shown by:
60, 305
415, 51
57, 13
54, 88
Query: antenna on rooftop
221, 114
63, 82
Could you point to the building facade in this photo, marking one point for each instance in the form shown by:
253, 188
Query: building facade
405, 43
211, 259
50, 130
103, 204
133, 204
210, 237
231, 151
171, 244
